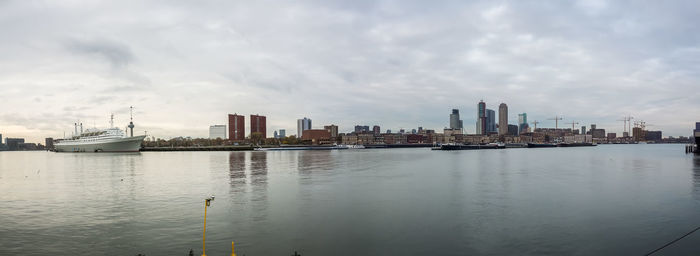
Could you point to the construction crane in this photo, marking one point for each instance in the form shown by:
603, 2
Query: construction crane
535, 124
573, 125
627, 124
556, 121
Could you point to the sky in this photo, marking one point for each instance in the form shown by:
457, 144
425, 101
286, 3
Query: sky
185, 65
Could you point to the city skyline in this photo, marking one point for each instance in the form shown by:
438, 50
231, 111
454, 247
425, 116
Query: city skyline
399, 65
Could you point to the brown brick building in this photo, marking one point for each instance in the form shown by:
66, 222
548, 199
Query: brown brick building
317, 136
258, 124
236, 127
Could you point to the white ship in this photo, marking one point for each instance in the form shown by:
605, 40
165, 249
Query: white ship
112, 139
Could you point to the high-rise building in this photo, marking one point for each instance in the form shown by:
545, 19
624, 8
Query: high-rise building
376, 130
274, 135
258, 124
217, 131
481, 118
303, 124
361, 128
522, 123
503, 119
455, 122
583, 130
491, 121
282, 133
332, 129
512, 129
236, 127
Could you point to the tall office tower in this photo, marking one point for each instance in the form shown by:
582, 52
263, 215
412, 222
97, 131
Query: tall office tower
583, 130
236, 127
490, 121
217, 131
274, 135
481, 118
522, 123
303, 124
502, 119
283, 133
258, 124
455, 122
376, 130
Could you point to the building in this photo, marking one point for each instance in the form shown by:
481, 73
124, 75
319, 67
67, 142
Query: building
258, 124
49, 143
597, 133
361, 128
14, 143
332, 129
317, 136
455, 122
612, 135
512, 129
282, 133
274, 135
236, 127
302, 125
216, 131
638, 134
583, 130
522, 123
481, 118
376, 130
503, 120
490, 121
653, 135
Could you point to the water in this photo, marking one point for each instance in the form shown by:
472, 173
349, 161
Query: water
605, 200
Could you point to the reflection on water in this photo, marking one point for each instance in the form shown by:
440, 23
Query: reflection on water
236, 165
696, 176
605, 200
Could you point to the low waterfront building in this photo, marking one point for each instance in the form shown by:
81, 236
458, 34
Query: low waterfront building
216, 131
13, 143
653, 136
317, 136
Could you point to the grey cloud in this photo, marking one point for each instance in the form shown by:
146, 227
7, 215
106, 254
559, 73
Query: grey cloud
117, 54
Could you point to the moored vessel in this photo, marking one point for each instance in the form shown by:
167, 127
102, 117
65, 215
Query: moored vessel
112, 139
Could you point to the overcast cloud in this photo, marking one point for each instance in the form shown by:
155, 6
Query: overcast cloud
398, 64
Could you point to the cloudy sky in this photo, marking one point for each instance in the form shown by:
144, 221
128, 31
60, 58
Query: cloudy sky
184, 65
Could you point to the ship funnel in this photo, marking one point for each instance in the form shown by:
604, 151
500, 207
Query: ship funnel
75, 129
81, 128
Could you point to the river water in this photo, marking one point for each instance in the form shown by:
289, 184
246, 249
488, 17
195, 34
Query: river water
605, 200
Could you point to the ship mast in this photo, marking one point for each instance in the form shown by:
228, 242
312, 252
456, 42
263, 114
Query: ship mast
111, 121
131, 123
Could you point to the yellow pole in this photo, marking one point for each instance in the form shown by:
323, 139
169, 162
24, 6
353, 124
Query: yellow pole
204, 234
232, 253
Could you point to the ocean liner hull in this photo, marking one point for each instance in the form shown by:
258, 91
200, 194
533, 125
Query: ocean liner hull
128, 144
